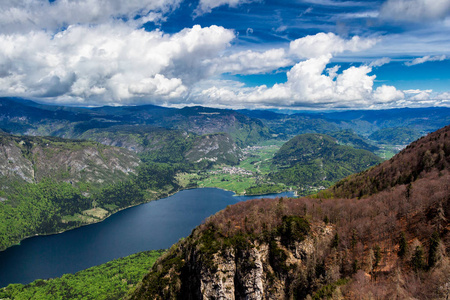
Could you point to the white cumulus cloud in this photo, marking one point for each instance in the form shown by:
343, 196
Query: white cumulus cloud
107, 64
328, 43
310, 83
424, 98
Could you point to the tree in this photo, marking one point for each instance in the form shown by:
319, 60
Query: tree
433, 250
354, 239
428, 160
335, 241
417, 259
370, 260
440, 217
403, 246
377, 255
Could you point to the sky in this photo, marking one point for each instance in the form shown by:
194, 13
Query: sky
256, 54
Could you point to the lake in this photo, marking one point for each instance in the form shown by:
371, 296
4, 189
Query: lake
150, 226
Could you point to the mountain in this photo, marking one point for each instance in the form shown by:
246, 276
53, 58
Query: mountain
261, 114
385, 243
218, 148
31, 159
349, 138
362, 122
202, 120
427, 154
287, 126
246, 127
395, 135
49, 184
168, 145
24, 117
318, 160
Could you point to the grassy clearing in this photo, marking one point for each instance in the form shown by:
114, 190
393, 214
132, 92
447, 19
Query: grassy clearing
235, 183
259, 157
98, 212
80, 218
249, 173
388, 151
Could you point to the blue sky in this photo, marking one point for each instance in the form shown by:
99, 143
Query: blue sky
303, 54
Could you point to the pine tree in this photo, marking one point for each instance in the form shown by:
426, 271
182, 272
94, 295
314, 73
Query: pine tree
433, 250
335, 241
377, 254
403, 246
417, 259
354, 239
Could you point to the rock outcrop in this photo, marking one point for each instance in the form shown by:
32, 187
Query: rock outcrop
209, 266
31, 159
218, 148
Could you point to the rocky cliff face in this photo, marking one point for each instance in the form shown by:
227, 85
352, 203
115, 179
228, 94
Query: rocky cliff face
218, 148
33, 158
259, 271
206, 266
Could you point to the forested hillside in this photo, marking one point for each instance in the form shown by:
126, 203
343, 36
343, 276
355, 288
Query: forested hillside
396, 135
51, 184
388, 243
112, 280
318, 160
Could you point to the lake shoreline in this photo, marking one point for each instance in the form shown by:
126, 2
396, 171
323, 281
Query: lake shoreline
130, 206
151, 225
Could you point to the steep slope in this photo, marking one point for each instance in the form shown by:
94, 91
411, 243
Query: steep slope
419, 158
218, 148
349, 138
50, 184
233, 264
139, 138
318, 160
33, 158
168, 145
389, 245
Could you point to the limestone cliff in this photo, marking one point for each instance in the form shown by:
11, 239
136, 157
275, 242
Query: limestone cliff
273, 265
218, 147
33, 158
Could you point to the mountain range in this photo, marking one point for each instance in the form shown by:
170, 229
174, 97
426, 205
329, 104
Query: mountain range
246, 127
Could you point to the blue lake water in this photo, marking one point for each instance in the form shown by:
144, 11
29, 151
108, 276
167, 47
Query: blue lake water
154, 225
